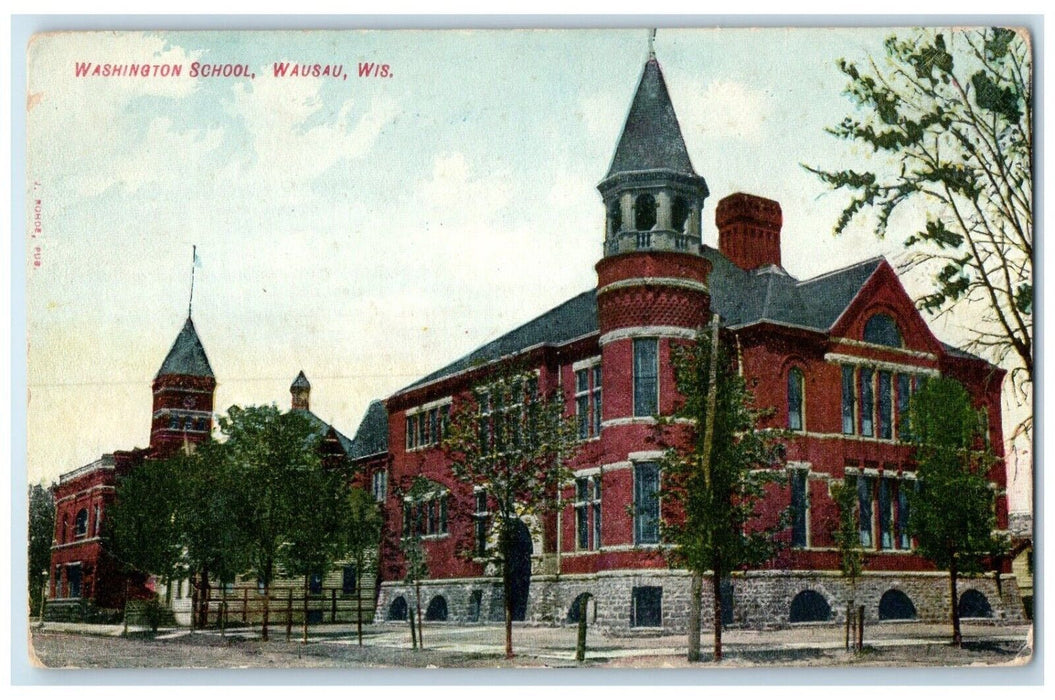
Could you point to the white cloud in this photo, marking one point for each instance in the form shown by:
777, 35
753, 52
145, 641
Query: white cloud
723, 110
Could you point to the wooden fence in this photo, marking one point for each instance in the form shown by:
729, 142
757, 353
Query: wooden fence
221, 607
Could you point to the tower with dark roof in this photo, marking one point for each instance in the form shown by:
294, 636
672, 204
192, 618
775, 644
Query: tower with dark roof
183, 395
652, 279
300, 393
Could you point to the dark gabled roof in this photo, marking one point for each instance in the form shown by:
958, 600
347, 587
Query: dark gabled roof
957, 352
323, 427
740, 297
372, 436
651, 138
187, 356
301, 382
575, 317
744, 297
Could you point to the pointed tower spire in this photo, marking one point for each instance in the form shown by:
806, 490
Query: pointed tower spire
652, 195
183, 395
651, 138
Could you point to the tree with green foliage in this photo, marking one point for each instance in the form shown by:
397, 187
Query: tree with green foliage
847, 536
273, 456
514, 442
214, 547
715, 471
41, 534
362, 537
952, 512
142, 524
950, 112
316, 536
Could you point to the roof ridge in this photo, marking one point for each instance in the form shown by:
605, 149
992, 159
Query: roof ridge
840, 270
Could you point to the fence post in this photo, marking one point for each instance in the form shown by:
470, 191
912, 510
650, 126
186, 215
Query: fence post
333, 605
245, 605
223, 610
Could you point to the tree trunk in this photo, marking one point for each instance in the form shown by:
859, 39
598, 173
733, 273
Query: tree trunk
695, 615
413, 629
289, 614
417, 595
957, 640
223, 610
507, 589
267, 610
194, 581
716, 579
580, 646
359, 607
849, 618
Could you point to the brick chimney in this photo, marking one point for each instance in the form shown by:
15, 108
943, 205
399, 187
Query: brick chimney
300, 390
749, 230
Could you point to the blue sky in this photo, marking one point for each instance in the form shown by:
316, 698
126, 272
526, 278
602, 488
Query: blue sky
369, 231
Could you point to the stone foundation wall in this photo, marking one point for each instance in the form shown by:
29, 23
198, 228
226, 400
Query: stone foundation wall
761, 599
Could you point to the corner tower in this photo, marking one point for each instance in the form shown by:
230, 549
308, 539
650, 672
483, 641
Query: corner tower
652, 279
183, 395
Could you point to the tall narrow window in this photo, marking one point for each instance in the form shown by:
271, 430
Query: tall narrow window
412, 432
904, 539
644, 212
443, 514
582, 524
886, 514
597, 512
885, 405
646, 375
848, 400
582, 403
864, 509
597, 400
795, 395
80, 525
904, 383
646, 503
799, 507
867, 402
434, 425
480, 517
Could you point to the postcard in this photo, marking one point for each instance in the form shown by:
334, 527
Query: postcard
587, 348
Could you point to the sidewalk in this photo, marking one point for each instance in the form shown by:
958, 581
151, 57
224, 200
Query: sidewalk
558, 643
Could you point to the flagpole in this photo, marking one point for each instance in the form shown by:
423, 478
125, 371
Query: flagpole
194, 256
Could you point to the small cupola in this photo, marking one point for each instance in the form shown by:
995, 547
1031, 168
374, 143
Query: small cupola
300, 391
749, 230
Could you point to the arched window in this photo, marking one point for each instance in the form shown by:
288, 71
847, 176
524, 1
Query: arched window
973, 603
881, 330
80, 524
679, 214
437, 610
810, 606
796, 394
895, 605
644, 212
615, 216
397, 610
